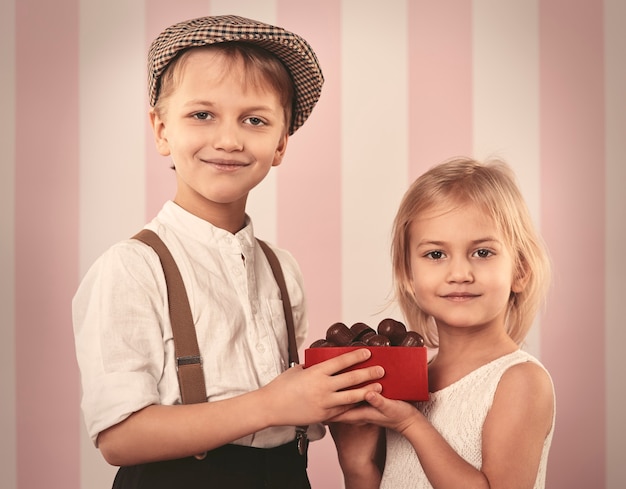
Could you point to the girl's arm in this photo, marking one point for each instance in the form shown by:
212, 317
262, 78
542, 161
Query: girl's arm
296, 397
513, 434
361, 451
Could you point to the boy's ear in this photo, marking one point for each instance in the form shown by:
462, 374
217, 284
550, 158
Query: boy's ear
160, 133
280, 150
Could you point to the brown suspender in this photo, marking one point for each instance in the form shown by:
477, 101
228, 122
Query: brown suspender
188, 358
280, 280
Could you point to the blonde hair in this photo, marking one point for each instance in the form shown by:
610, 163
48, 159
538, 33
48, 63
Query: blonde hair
490, 186
260, 67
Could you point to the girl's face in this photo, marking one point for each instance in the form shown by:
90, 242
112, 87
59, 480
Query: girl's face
461, 268
223, 135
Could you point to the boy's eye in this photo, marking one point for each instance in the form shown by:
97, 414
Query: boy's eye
255, 121
483, 253
201, 116
434, 255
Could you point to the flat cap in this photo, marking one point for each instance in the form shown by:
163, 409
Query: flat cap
294, 52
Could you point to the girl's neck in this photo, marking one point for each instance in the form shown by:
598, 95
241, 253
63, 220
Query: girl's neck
459, 355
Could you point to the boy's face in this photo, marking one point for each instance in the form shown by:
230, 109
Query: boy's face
223, 135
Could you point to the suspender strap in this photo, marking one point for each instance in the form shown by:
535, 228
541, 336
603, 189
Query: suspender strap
302, 439
280, 280
188, 359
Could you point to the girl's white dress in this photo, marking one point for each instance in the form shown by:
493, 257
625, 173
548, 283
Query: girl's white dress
458, 412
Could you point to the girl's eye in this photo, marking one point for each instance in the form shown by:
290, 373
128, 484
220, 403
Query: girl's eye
255, 121
434, 255
202, 116
483, 253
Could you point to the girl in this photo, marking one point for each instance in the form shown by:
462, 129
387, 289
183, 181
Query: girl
470, 272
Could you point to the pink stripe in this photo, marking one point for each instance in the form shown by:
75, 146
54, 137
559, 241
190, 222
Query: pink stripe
160, 178
573, 209
309, 194
46, 249
440, 82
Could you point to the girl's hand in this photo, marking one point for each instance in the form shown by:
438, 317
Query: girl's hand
302, 396
388, 413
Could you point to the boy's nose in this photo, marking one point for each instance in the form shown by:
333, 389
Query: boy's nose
227, 137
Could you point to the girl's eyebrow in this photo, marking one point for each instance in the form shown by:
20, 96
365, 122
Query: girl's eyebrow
474, 242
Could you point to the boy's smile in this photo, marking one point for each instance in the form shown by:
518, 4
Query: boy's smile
224, 129
462, 271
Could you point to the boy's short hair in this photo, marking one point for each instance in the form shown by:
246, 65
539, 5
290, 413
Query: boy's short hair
259, 66
292, 50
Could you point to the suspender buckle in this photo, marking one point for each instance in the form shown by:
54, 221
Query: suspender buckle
302, 440
188, 360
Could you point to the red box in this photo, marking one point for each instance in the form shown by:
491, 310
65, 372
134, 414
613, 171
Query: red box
406, 370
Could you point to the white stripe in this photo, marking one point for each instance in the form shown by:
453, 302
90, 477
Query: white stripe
374, 150
615, 41
113, 118
263, 200
8, 448
506, 97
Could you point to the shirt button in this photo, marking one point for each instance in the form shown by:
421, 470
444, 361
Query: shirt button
260, 348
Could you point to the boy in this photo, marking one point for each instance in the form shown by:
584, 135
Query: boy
227, 93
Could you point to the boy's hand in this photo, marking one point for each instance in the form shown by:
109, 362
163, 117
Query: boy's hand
304, 396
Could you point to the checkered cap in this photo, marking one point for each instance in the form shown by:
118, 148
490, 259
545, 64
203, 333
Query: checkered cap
291, 49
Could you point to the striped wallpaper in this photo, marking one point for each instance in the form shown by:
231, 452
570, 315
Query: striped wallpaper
408, 83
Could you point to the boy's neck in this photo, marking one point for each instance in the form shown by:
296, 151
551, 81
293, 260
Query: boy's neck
229, 217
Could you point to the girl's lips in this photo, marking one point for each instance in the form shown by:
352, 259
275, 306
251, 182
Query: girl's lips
460, 296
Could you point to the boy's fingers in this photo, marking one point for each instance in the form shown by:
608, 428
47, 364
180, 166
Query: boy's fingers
357, 376
340, 362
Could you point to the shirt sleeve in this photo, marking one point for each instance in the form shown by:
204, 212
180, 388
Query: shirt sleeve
119, 324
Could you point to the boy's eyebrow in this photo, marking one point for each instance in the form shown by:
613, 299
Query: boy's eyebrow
208, 103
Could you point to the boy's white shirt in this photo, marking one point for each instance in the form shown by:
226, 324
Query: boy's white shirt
123, 334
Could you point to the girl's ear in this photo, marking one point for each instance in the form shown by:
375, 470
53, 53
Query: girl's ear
522, 276
160, 133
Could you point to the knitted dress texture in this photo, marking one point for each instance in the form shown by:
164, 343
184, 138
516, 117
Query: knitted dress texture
458, 413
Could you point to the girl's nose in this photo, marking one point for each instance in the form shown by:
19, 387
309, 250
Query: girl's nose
460, 271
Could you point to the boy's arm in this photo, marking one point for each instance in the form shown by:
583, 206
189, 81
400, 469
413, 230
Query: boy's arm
296, 397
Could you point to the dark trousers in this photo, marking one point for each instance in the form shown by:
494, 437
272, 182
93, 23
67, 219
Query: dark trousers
227, 467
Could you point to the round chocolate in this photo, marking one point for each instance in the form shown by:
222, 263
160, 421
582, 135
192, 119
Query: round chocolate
360, 329
321, 343
339, 334
358, 343
411, 338
392, 329
378, 340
